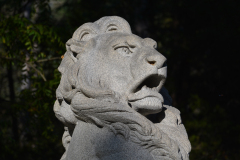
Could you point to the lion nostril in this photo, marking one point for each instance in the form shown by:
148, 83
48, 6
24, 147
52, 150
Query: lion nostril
152, 62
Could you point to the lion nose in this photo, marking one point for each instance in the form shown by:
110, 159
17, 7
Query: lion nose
156, 60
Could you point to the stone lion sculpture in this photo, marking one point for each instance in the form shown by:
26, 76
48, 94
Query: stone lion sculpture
109, 99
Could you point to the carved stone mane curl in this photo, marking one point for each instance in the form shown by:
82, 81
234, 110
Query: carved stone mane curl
81, 96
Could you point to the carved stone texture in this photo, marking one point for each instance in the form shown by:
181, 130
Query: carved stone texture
109, 97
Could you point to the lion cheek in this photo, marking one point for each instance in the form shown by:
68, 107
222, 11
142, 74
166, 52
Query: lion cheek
119, 84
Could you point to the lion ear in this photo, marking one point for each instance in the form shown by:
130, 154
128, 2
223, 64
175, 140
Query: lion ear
112, 28
78, 41
85, 32
113, 24
86, 35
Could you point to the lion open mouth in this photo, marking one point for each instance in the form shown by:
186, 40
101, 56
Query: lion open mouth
145, 96
152, 82
150, 85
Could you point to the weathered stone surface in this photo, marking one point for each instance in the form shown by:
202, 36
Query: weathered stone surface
109, 97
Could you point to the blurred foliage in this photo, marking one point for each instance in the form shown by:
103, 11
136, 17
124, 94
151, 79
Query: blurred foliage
199, 39
30, 53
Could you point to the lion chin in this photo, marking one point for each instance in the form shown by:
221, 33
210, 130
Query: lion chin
110, 88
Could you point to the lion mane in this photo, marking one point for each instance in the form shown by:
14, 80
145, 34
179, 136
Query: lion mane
88, 99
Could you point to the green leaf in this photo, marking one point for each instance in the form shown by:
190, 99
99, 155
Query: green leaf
29, 48
27, 43
3, 40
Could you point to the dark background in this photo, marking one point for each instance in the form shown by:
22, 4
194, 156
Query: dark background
199, 38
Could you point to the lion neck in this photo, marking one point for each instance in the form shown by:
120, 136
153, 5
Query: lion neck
120, 119
100, 143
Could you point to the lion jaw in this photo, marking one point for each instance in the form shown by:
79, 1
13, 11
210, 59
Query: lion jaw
145, 97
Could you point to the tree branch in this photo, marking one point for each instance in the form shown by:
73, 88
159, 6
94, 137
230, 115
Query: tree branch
32, 66
39, 72
48, 59
39, 61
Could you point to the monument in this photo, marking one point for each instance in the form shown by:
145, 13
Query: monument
111, 98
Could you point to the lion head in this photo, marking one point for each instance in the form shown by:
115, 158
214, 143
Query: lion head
111, 77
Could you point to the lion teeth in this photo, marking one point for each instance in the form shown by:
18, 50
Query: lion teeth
144, 87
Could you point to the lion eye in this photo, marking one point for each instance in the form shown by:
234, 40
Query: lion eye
123, 50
